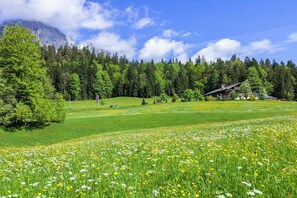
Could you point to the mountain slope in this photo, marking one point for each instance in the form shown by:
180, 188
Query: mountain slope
47, 34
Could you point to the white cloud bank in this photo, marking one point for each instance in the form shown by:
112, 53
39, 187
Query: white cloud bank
225, 48
67, 15
113, 43
157, 48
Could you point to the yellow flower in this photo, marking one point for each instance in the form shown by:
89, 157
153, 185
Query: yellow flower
183, 171
60, 184
115, 173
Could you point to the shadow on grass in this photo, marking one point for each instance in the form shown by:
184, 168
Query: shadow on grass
28, 127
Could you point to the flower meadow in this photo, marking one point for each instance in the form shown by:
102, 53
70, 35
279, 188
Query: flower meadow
255, 158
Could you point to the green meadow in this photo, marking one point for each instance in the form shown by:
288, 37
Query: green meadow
191, 149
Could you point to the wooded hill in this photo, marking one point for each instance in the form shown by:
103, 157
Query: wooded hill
80, 74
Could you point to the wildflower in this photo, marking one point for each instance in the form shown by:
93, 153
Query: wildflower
124, 185
229, 195
130, 188
258, 192
105, 174
239, 167
250, 193
72, 178
115, 173
221, 196
183, 171
247, 184
83, 170
59, 184
155, 192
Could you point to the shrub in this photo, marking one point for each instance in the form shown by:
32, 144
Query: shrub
188, 94
233, 95
252, 97
163, 97
197, 95
209, 98
174, 97
143, 102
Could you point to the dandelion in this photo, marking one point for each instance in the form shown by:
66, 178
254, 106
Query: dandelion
115, 173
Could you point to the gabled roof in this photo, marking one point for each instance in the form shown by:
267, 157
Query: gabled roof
222, 89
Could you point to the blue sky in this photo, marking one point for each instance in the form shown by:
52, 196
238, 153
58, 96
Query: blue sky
151, 29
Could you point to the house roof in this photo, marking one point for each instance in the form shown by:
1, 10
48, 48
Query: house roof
222, 89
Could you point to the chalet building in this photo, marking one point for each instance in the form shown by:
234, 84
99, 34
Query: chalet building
224, 91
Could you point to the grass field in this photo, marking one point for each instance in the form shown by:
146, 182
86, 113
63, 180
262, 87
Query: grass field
194, 149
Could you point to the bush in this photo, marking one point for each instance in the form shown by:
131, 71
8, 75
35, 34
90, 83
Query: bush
163, 97
197, 95
252, 97
174, 97
209, 98
143, 102
188, 94
233, 95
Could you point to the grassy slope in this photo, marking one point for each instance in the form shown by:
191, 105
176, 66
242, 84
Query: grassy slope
84, 118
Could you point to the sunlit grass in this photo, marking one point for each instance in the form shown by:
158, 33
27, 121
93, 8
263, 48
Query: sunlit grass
238, 159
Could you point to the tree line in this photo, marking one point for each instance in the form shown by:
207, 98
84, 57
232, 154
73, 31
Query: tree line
80, 74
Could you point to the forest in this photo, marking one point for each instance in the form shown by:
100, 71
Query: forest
81, 74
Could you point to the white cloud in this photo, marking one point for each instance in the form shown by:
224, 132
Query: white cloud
112, 43
157, 48
141, 23
259, 47
220, 49
293, 37
67, 15
169, 33
132, 13
225, 48
187, 34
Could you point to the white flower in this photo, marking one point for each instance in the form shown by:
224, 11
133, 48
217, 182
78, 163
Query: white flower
84, 186
247, 183
83, 170
72, 178
250, 193
155, 192
105, 174
130, 188
23, 183
124, 185
258, 192
229, 195
221, 196
239, 167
